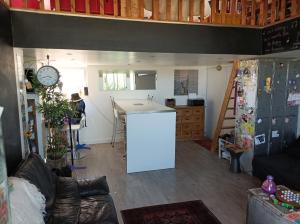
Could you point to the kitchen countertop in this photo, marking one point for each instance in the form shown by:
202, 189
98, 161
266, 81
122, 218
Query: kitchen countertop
142, 106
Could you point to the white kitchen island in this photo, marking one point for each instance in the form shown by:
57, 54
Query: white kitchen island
150, 135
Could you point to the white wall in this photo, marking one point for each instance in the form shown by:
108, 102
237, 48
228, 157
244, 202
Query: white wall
211, 87
98, 105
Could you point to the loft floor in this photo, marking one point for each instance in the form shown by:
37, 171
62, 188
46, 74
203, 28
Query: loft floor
199, 174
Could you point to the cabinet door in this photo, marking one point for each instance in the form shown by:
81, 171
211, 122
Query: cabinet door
289, 130
265, 74
261, 138
276, 135
293, 85
279, 89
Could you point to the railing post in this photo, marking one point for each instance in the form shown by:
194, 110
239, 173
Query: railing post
201, 10
116, 8
253, 13
234, 14
180, 16
128, 8
262, 12
25, 4
273, 11
244, 12
123, 8
155, 9
223, 11
213, 10
294, 8
87, 7
282, 9
42, 5
191, 10
141, 9
73, 5
57, 5
168, 10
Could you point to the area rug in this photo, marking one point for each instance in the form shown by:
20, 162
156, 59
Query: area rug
205, 143
190, 212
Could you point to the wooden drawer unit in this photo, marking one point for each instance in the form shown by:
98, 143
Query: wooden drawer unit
189, 122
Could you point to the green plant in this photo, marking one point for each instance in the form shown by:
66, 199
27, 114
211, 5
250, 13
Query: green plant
55, 108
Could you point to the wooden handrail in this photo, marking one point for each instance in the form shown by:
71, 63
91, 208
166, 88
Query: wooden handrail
227, 12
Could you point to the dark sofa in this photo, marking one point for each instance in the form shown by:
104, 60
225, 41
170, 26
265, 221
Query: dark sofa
68, 200
284, 167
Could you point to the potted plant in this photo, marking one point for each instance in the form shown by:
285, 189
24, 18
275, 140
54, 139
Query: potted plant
55, 108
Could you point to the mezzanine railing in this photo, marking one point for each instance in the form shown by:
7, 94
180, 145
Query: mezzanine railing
225, 12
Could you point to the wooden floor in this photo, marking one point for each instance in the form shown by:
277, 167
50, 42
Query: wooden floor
199, 174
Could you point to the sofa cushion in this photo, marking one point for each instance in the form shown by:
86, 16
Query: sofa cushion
36, 172
293, 149
90, 187
284, 168
98, 209
66, 209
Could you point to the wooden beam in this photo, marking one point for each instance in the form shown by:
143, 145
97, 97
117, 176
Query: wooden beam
101, 3
25, 4
116, 8
141, 9
262, 12
244, 12
180, 15
191, 10
155, 9
201, 10
273, 11
282, 9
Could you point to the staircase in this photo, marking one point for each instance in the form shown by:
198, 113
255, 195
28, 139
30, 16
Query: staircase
226, 121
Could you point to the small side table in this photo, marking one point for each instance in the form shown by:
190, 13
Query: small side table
262, 210
235, 153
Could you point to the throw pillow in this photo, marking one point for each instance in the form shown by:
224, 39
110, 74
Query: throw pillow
26, 201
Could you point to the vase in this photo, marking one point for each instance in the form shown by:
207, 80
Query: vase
269, 185
58, 163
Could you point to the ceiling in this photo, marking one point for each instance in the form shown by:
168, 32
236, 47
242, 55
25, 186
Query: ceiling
82, 58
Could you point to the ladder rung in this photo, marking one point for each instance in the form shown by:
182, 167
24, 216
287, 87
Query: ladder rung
229, 118
228, 127
230, 108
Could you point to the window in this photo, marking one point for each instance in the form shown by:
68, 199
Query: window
73, 80
114, 81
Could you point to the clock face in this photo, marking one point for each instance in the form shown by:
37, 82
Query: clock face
48, 75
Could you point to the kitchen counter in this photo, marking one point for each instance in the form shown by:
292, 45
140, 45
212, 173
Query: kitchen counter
150, 135
142, 106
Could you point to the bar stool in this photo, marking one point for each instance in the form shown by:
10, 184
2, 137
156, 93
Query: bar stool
119, 124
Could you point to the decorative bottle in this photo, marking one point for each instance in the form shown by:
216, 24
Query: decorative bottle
269, 185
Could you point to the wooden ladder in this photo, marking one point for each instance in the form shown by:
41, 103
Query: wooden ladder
225, 107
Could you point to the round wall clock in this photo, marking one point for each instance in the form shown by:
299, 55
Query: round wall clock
48, 75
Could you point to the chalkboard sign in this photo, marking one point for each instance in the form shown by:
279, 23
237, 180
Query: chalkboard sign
282, 37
